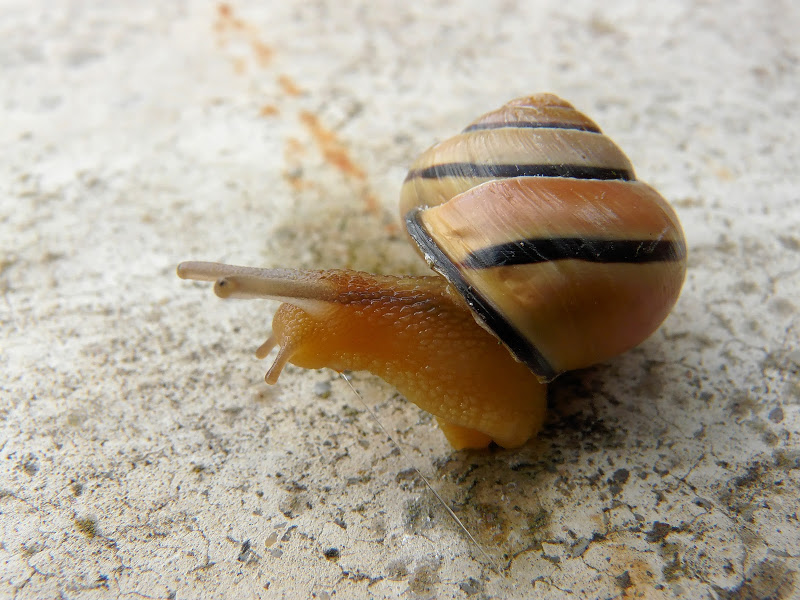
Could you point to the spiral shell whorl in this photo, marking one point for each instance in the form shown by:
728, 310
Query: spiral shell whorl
536, 218
537, 136
538, 110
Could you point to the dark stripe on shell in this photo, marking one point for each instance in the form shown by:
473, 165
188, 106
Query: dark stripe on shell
530, 124
480, 171
531, 251
514, 340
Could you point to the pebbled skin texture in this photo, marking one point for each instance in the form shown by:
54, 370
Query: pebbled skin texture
416, 335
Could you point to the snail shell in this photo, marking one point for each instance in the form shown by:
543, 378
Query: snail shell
537, 219
554, 257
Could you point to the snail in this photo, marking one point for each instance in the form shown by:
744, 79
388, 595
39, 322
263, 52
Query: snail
551, 257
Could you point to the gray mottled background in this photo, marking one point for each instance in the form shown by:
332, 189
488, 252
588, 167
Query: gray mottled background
141, 453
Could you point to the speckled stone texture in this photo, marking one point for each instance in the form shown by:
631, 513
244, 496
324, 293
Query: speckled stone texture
142, 454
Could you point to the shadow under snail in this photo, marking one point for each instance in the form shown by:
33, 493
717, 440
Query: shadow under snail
554, 257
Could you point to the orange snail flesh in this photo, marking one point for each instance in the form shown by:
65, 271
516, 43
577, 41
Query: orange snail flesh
549, 248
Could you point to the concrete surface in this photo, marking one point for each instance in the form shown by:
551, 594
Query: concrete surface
142, 454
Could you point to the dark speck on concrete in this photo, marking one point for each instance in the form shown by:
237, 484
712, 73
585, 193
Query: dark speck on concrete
776, 415
658, 532
471, 586
624, 580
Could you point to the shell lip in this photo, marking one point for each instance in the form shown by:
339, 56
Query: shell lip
522, 348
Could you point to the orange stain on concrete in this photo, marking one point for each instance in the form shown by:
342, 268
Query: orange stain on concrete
334, 151
296, 181
294, 147
371, 201
262, 51
293, 151
268, 110
226, 19
228, 26
288, 85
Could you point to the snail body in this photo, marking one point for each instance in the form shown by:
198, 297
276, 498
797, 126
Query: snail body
553, 258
